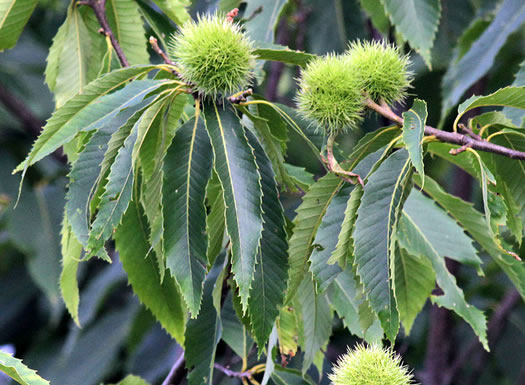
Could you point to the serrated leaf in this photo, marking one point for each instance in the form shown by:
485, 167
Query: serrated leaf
149, 120
163, 300
16, 369
508, 96
414, 121
326, 240
128, 28
74, 59
283, 54
446, 236
215, 225
204, 333
71, 251
116, 197
414, 239
342, 294
474, 223
187, 169
344, 249
240, 181
317, 320
152, 158
272, 147
309, 216
158, 139
83, 177
90, 110
14, 15
271, 271
125, 121
413, 282
417, 21
480, 57
374, 235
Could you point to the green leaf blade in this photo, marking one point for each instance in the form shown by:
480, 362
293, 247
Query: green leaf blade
414, 239
417, 21
187, 169
162, 299
71, 252
14, 15
271, 271
374, 233
204, 333
413, 131
128, 28
307, 221
239, 177
317, 320
116, 197
413, 282
15, 369
90, 110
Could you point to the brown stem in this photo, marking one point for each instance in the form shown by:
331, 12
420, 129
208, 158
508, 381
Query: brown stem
333, 165
99, 7
155, 45
31, 123
449, 137
177, 371
231, 373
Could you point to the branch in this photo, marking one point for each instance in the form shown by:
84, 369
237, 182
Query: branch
231, 373
20, 111
31, 123
155, 45
449, 137
176, 372
99, 7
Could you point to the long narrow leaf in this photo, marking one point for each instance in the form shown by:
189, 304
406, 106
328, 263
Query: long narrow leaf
240, 181
187, 169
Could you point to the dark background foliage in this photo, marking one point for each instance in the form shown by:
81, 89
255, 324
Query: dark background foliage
118, 336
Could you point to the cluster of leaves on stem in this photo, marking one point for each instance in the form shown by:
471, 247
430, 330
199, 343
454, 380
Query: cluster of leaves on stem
188, 184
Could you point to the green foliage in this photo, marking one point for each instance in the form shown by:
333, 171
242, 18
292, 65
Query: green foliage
234, 219
214, 55
330, 94
187, 169
413, 130
417, 22
370, 365
15, 369
14, 15
381, 70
